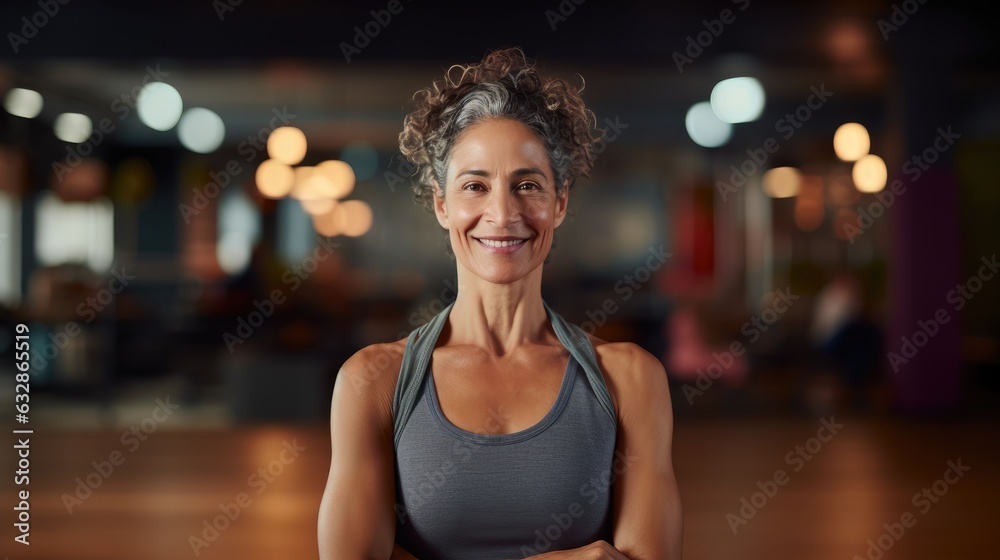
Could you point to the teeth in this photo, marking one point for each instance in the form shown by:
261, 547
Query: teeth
495, 243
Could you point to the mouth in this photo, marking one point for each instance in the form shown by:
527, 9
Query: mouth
501, 245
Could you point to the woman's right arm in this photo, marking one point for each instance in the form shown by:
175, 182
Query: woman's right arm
357, 514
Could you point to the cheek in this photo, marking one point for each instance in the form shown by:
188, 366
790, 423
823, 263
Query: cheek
462, 214
541, 214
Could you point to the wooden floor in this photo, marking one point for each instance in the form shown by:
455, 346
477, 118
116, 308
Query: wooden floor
863, 478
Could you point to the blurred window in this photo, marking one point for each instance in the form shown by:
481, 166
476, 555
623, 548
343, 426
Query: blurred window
75, 232
294, 231
239, 231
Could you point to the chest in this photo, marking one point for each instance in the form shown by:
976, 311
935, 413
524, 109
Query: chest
497, 397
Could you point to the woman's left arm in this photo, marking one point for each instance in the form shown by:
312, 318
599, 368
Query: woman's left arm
646, 508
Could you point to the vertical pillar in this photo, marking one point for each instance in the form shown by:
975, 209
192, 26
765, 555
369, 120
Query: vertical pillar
924, 363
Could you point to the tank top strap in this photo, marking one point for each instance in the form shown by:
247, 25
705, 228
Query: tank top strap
416, 356
575, 340
420, 347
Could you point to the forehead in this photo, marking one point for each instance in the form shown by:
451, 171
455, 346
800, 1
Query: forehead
496, 144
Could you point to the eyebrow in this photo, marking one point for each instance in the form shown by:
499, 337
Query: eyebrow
517, 172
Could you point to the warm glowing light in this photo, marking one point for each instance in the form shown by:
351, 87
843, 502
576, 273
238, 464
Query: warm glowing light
738, 100
318, 206
869, 174
274, 179
340, 177
851, 142
310, 184
327, 224
355, 217
303, 188
287, 144
705, 128
781, 182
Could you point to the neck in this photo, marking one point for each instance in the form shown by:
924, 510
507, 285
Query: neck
498, 317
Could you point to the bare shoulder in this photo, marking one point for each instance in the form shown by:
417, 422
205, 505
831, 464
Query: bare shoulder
370, 376
634, 375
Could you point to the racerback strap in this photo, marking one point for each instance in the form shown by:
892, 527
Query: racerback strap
420, 346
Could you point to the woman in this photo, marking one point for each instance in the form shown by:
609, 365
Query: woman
498, 430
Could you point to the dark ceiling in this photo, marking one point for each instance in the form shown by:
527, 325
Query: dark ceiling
259, 55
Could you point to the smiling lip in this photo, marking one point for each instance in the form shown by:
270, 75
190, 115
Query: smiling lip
501, 245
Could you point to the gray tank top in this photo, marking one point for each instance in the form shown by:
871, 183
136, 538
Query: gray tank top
466, 495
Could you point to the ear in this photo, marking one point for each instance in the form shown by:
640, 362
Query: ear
440, 210
562, 203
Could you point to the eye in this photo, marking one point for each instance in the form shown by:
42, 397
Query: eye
528, 186
473, 187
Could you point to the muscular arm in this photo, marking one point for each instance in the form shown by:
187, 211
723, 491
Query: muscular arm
356, 517
646, 508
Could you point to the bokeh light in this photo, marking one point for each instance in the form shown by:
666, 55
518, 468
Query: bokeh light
318, 206
201, 130
73, 127
851, 141
287, 144
25, 103
159, 106
869, 174
327, 223
781, 182
339, 177
274, 179
705, 128
355, 217
738, 100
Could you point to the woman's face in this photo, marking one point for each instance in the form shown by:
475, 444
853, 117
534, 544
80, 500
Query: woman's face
500, 203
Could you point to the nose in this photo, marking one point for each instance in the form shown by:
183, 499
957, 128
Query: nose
503, 207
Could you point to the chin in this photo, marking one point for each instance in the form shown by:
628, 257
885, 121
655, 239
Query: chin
503, 274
